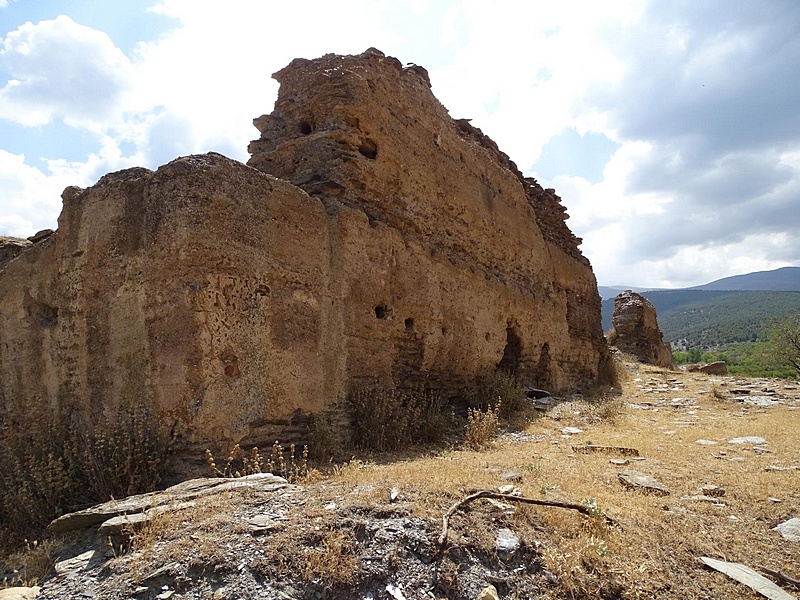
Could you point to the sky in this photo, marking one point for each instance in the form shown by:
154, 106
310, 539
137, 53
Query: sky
671, 130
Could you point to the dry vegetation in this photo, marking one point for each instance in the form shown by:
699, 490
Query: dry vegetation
323, 537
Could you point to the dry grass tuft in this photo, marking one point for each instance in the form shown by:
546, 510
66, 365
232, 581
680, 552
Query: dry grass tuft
53, 462
482, 426
239, 463
33, 562
496, 388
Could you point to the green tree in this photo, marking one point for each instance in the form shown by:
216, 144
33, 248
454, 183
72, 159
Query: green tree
784, 342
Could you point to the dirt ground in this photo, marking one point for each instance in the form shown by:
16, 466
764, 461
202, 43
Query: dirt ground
369, 528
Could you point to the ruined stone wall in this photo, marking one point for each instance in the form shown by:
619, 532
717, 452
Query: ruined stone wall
372, 238
634, 330
11, 247
365, 132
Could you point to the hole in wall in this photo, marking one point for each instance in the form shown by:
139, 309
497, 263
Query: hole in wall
409, 324
46, 316
305, 127
512, 353
368, 148
382, 312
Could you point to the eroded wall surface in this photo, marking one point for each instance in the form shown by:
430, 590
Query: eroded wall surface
371, 237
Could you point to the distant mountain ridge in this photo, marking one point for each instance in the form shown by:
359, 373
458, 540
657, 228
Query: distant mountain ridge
785, 279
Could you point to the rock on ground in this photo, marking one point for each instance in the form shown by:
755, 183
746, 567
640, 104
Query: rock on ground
634, 330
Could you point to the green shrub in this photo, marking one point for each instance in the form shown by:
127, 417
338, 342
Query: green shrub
53, 462
496, 388
390, 419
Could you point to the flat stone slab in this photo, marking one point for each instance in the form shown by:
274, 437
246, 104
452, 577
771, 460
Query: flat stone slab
789, 530
131, 522
748, 439
713, 490
76, 563
592, 448
264, 523
571, 431
182, 492
19, 593
643, 482
749, 577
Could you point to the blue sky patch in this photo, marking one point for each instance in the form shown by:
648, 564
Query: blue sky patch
569, 152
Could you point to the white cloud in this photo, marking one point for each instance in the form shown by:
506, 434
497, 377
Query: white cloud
518, 68
214, 71
30, 198
704, 108
60, 69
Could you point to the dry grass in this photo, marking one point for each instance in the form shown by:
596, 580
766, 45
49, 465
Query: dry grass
655, 553
393, 419
53, 462
482, 426
32, 562
652, 554
239, 463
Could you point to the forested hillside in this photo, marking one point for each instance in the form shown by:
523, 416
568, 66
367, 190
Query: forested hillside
708, 319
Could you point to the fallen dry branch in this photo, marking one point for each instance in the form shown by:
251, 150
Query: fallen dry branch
781, 576
582, 508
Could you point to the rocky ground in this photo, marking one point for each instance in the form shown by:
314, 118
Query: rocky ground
678, 467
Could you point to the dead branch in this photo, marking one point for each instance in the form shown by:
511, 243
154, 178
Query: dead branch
582, 508
780, 576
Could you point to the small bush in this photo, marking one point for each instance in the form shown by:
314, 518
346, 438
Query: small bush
385, 419
482, 426
496, 388
54, 462
718, 393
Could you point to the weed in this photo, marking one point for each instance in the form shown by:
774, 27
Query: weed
496, 388
532, 468
239, 463
32, 563
325, 444
591, 504
54, 462
332, 561
547, 487
718, 393
385, 419
482, 426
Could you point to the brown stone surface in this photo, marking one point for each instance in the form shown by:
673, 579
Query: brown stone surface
715, 368
10, 248
397, 245
634, 330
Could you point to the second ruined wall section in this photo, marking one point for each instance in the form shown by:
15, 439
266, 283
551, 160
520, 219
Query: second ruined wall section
233, 301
